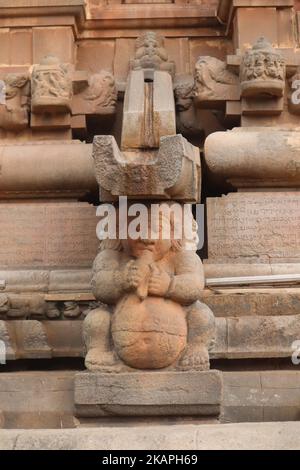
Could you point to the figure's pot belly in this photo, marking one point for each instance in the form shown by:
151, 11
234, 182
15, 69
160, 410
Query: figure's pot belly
149, 334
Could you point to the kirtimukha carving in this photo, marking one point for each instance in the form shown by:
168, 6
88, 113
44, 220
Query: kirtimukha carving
15, 102
150, 53
51, 84
262, 71
155, 319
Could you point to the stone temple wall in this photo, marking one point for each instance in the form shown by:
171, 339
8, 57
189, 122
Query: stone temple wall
168, 100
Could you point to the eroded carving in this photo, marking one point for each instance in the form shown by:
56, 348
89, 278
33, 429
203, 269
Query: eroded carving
186, 118
262, 71
15, 102
51, 84
102, 92
213, 82
98, 97
150, 53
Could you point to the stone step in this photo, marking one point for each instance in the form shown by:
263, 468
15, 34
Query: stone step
241, 436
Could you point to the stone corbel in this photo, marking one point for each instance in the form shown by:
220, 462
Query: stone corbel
172, 172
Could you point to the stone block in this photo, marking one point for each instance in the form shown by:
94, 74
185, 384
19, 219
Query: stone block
261, 107
261, 396
124, 51
262, 336
240, 267
48, 121
35, 339
57, 41
149, 110
94, 56
265, 21
5, 48
178, 49
148, 393
25, 280
21, 47
253, 301
34, 399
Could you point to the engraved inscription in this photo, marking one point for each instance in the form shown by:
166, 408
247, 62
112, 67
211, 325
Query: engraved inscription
48, 234
259, 225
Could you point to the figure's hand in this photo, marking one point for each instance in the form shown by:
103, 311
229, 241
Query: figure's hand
134, 275
159, 283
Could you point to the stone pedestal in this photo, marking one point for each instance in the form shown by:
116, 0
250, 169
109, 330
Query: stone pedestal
148, 394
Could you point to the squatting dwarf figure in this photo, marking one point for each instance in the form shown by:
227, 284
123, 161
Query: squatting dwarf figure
152, 286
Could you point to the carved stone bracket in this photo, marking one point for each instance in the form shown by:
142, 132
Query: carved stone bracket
172, 172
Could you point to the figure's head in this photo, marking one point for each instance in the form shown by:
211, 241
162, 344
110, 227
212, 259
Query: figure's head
150, 41
157, 230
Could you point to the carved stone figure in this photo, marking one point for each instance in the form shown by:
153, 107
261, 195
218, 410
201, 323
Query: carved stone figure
150, 53
156, 321
15, 102
262, 71
51, 84
213, 82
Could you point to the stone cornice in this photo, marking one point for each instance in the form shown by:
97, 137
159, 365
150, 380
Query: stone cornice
23, 13
226, 8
